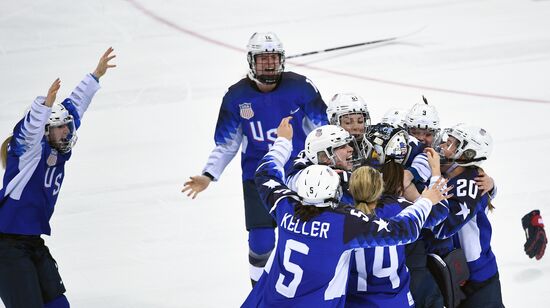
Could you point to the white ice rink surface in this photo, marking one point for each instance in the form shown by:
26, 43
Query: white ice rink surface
123, 233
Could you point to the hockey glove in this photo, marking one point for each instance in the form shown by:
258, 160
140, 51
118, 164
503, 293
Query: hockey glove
535, 236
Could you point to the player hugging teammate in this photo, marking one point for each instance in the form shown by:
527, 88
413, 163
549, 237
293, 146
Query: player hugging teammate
384, 172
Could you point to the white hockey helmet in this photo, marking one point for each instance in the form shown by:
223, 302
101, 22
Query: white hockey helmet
395, 117
422, 116
265, 43
319, 185
346, 103
474, 146
325, 139
60, 116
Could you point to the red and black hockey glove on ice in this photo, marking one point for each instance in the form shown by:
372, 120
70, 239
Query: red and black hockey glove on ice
534, 232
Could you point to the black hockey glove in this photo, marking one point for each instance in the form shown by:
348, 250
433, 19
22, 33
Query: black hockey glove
535, 235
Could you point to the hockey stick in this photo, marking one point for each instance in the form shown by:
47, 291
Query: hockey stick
389, 39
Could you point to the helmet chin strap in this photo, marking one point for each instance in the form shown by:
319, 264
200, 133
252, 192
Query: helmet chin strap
453, 166
256, 80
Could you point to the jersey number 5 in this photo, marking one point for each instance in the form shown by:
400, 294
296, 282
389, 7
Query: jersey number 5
290, 290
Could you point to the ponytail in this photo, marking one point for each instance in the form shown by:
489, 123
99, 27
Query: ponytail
366, 186
307, 212
363, 207
4, 151
490, 203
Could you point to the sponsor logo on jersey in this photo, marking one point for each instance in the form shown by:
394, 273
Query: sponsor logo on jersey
246, 111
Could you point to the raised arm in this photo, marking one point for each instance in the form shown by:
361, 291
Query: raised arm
440, 211
104, 64
269, 175
362, 230
82, 95
30, 131
52, 93
26, 143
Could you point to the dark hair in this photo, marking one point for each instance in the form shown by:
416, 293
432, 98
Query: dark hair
307, 212
4, 151
392, 173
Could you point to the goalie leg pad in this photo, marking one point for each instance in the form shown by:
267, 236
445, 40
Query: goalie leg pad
450, 273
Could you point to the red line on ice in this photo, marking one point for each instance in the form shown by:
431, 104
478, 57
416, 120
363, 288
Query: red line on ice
199, 36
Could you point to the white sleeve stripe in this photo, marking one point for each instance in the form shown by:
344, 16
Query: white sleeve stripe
291, 181
281, 151
27, 165
33, 127
469, 236
222, 155
337, 286
422, 167
83, 93
420, 210
32, 133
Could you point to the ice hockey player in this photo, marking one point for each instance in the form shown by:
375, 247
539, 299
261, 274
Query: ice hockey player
34, 158
249, 115
317, 235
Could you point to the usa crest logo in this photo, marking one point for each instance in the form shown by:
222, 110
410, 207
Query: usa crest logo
52, 159
318, 132
246, 111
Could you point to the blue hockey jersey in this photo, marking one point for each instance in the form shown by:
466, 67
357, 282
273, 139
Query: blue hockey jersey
417, 161
469, 225
250, 117
35, 171
310, 264
379, 276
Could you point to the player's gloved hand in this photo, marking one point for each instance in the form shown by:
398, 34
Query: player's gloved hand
534, 232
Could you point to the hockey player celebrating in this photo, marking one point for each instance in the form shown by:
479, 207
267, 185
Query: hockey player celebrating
465, 147
316, 235
349, 111
34, 158
250, 114
379, 277
422, 123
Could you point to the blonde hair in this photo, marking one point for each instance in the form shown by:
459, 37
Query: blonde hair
4, 151
366, 186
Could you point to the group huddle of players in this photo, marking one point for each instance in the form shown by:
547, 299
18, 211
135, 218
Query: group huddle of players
392, 214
